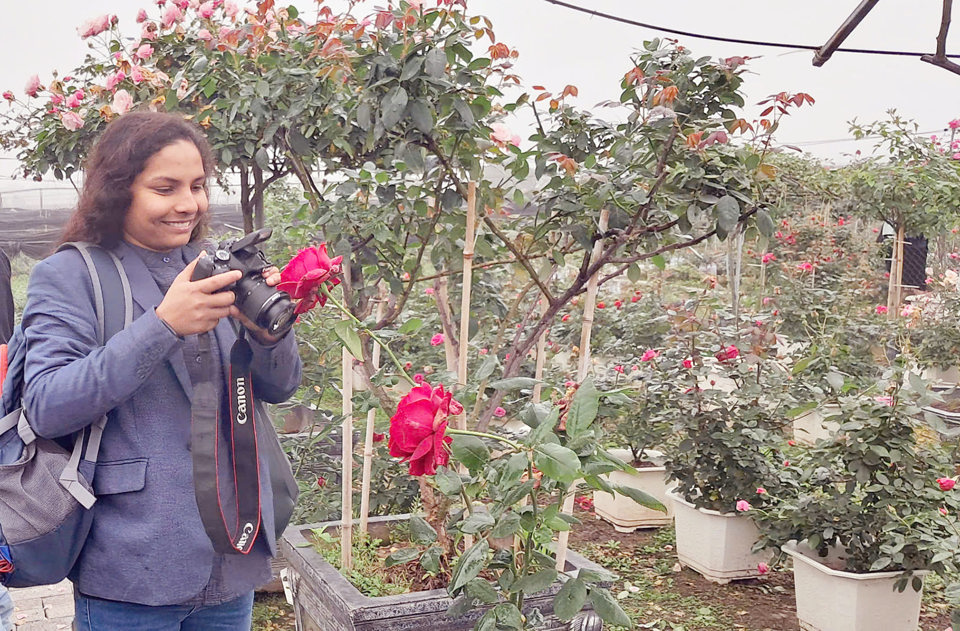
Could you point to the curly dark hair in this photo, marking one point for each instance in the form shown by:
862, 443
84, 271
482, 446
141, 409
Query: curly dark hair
118, 157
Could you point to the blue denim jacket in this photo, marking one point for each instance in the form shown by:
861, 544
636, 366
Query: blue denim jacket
147, 544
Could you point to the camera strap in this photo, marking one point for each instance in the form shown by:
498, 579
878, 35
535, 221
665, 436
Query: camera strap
205, 435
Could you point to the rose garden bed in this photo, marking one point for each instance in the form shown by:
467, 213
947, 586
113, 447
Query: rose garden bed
656, 594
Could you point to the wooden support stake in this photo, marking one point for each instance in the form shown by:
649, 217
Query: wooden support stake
589, 307
368, 439
468, 239
896, 271
346, 479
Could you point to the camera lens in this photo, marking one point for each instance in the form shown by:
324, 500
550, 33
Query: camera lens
268, 307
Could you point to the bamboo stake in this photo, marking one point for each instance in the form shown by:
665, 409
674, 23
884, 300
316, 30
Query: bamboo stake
468, 244
901, 241
346, 479
368, 439
589, 306
893, 284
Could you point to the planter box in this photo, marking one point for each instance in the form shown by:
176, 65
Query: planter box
834, 600
942, 377
323, 600
622, 512
717, 546
815, 425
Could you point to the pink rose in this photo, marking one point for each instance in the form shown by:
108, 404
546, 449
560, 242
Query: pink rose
766, 258
122, 102
688, 363
94, 26
8, 95
730, 352
56, 99
33, 84
484, 351
428, 291
502, 135
762, 568
806, 266
114, 79
205, 10
136, 74
743, 506
205, 35
230, 9
882, 309
145, 51
171, 16
71, 120
141, 16
946, 484
761, 490
436, 340
499, 412
954, 124
649, 354
73, 101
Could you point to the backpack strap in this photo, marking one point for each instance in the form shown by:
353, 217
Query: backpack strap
113, 303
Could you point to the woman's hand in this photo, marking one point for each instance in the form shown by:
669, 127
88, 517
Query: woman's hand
272, 276
191, 307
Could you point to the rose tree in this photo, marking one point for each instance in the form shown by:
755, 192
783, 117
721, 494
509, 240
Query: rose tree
505, 497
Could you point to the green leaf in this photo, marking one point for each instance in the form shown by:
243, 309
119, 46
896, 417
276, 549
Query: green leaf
299, 142
436, 63
393, 107
422, 116
262, 88
608, 609
345, 331
486, 368
410, 326
508, 617
421, 531
226, 156
293, 12
797, 411
469, 565
634, 273
659, 261
401, 556
411, 68
557, 462
470, 451
570, 599
765, 223
583, 408
835, 380
466, 114
514, 383
596, 576
482, 590
641, 497
536, 583
430, 559
262, 158
477, 521
448, 481
544, 431
507, 525
728, 213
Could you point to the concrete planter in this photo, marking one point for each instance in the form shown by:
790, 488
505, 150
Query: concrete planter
323, 600
715, 545
816, 424
622, 512
834, 600
942, 377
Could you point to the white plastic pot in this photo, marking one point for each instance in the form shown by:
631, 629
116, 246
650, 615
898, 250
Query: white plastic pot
834, 600
717, 546
815, 424
622, 512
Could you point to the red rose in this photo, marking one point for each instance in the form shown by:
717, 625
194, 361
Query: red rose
306, 272
418, 429
946, 484
730, 352
378, 437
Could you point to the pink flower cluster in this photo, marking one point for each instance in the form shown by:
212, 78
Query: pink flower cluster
97, 25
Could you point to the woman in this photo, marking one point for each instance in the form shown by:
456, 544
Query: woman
147, 564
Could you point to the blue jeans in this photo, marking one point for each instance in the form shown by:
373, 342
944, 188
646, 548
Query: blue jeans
6, 610
95, 614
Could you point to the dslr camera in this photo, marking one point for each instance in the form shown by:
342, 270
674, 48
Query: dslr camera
267, 306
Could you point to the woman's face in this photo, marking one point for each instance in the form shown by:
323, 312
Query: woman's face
168, 199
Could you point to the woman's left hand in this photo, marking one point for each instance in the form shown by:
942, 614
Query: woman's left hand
272, 276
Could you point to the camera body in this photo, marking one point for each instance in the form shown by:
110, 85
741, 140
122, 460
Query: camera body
267, 306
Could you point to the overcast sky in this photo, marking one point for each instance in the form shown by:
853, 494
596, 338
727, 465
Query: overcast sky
560, 46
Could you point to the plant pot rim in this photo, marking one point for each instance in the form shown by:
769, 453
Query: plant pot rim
673, 495
799, 551
294, 538
625, 454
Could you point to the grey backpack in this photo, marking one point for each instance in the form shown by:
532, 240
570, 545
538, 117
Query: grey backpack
45, 485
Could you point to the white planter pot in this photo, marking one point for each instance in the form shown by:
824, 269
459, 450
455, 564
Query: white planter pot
942, 377
834, 600
815, 424
622, 512
717, 546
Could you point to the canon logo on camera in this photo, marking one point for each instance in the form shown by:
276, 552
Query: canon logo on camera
241, 402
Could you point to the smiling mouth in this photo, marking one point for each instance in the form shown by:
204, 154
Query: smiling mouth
179, 224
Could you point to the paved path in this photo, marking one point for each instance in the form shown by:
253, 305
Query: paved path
47, 608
